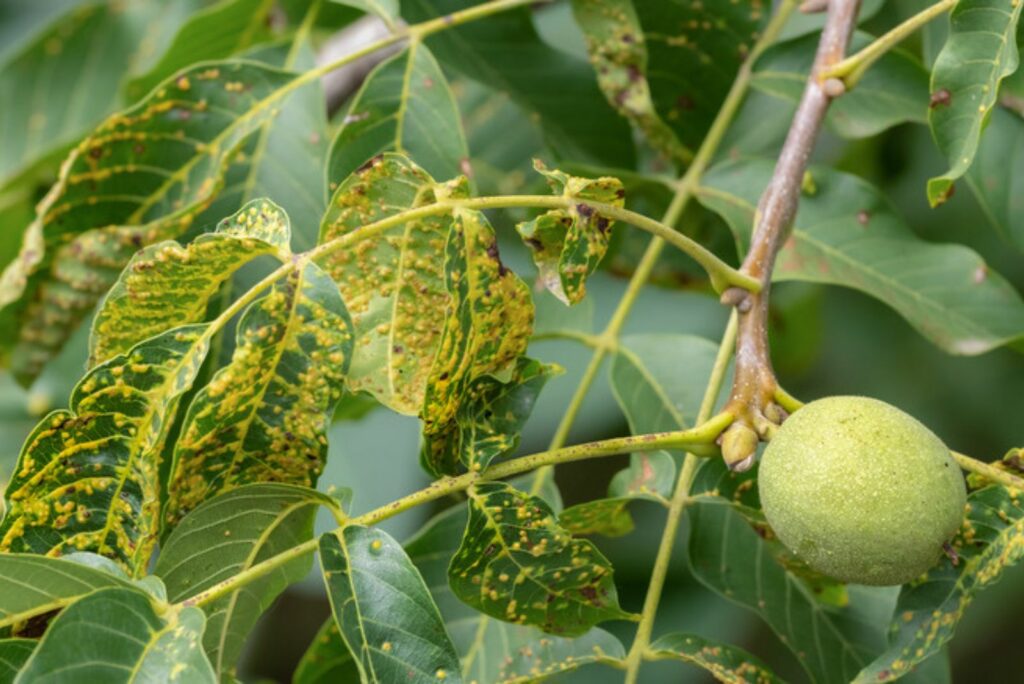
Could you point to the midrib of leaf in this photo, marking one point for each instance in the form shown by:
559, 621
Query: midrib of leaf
364, 647
170, 623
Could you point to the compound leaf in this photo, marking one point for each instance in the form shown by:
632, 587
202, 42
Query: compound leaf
724, 662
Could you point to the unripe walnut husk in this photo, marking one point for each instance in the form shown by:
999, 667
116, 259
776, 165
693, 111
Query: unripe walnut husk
861, 491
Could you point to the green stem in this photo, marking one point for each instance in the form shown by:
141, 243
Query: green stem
851, 69
988, 471
680, 497
703, 434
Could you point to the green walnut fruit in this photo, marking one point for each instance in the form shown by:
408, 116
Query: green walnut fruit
861, 491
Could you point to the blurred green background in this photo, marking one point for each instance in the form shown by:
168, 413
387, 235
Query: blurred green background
825, 341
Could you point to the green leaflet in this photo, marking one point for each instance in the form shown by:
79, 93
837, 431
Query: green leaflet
405, 105
227, 535
488, 420
487, 328
531, 661
327, 660
120, 636
567, 245
615, 42
141, 177
88, 478
393, 284
608, 517
995, 177
166, 285
726, 663
13, 654
847, 234
928, 612
264, 416
383, 609
387, 10
980, 51
516, 564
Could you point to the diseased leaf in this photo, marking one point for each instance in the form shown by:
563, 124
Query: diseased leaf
649, 474
166, 285
88, 477
516, 564
13, 654
228, 535
141, 177
387, 10
383, 609
117, 635
488, 420
406, 106
505, 52
264, 416
327, 660
567, 245
893, 91
929, 610
545, 657
724, 662
32, 586
616, 44
980, 51
608, 517
847, 234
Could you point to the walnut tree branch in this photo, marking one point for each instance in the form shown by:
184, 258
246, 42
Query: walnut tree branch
754, 384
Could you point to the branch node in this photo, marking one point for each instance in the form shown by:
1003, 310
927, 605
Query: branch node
833, 87
813, 6
737, 297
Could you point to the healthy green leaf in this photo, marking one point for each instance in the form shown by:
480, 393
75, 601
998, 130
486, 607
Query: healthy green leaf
847, 234
488, 420
166, 285
518, 565
928, 611
726, 663
383, 609
264, 416
615, 42
88, 477
505, 52
327, 660
118, 635
227, 535
32, 586
981, 50
387, 10
995, 177
141, 177
893, 91
567, 245
13, 654
405, 105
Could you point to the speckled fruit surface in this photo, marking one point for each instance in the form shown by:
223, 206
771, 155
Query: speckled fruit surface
861, 490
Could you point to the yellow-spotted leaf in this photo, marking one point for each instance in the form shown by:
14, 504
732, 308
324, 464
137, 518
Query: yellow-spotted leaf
488, 420
166, 285
88, 477
393, 283
724, 662
567, 245
264, 416
141, 177
516, 564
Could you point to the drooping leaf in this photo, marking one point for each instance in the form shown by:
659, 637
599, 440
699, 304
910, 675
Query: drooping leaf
117, 635
980, 51
616, 44
494, 650
214, 32
387, 10
166, 285
724, 662
227, 535
990, 541
383, 609
393, 284
995, 178
13, 655
327, 660
487, 328
405, 105
88, 477
32, 586
264, 416
609, 517
488, 420
505, 52
567, 245
141, 177
893, 91
516, 564
847, 234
